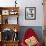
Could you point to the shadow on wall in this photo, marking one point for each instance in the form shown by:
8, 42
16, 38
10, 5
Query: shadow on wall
37, 29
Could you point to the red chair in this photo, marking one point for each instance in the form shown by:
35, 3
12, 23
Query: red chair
29, 33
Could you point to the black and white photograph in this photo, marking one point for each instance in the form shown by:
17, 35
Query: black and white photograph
30, 13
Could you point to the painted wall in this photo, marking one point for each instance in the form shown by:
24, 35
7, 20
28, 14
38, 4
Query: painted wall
26, 3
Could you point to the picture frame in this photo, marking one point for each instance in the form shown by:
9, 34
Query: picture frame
5, 12
13, 12
30, 13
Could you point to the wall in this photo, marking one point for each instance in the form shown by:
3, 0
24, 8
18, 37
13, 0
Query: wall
27, 3
39, 12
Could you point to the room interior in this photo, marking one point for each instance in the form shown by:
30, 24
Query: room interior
17, 16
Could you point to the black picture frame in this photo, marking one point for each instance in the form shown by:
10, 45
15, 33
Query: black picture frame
30, 13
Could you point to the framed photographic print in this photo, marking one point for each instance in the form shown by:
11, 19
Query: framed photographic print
5, 12
30, 13
13, 12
